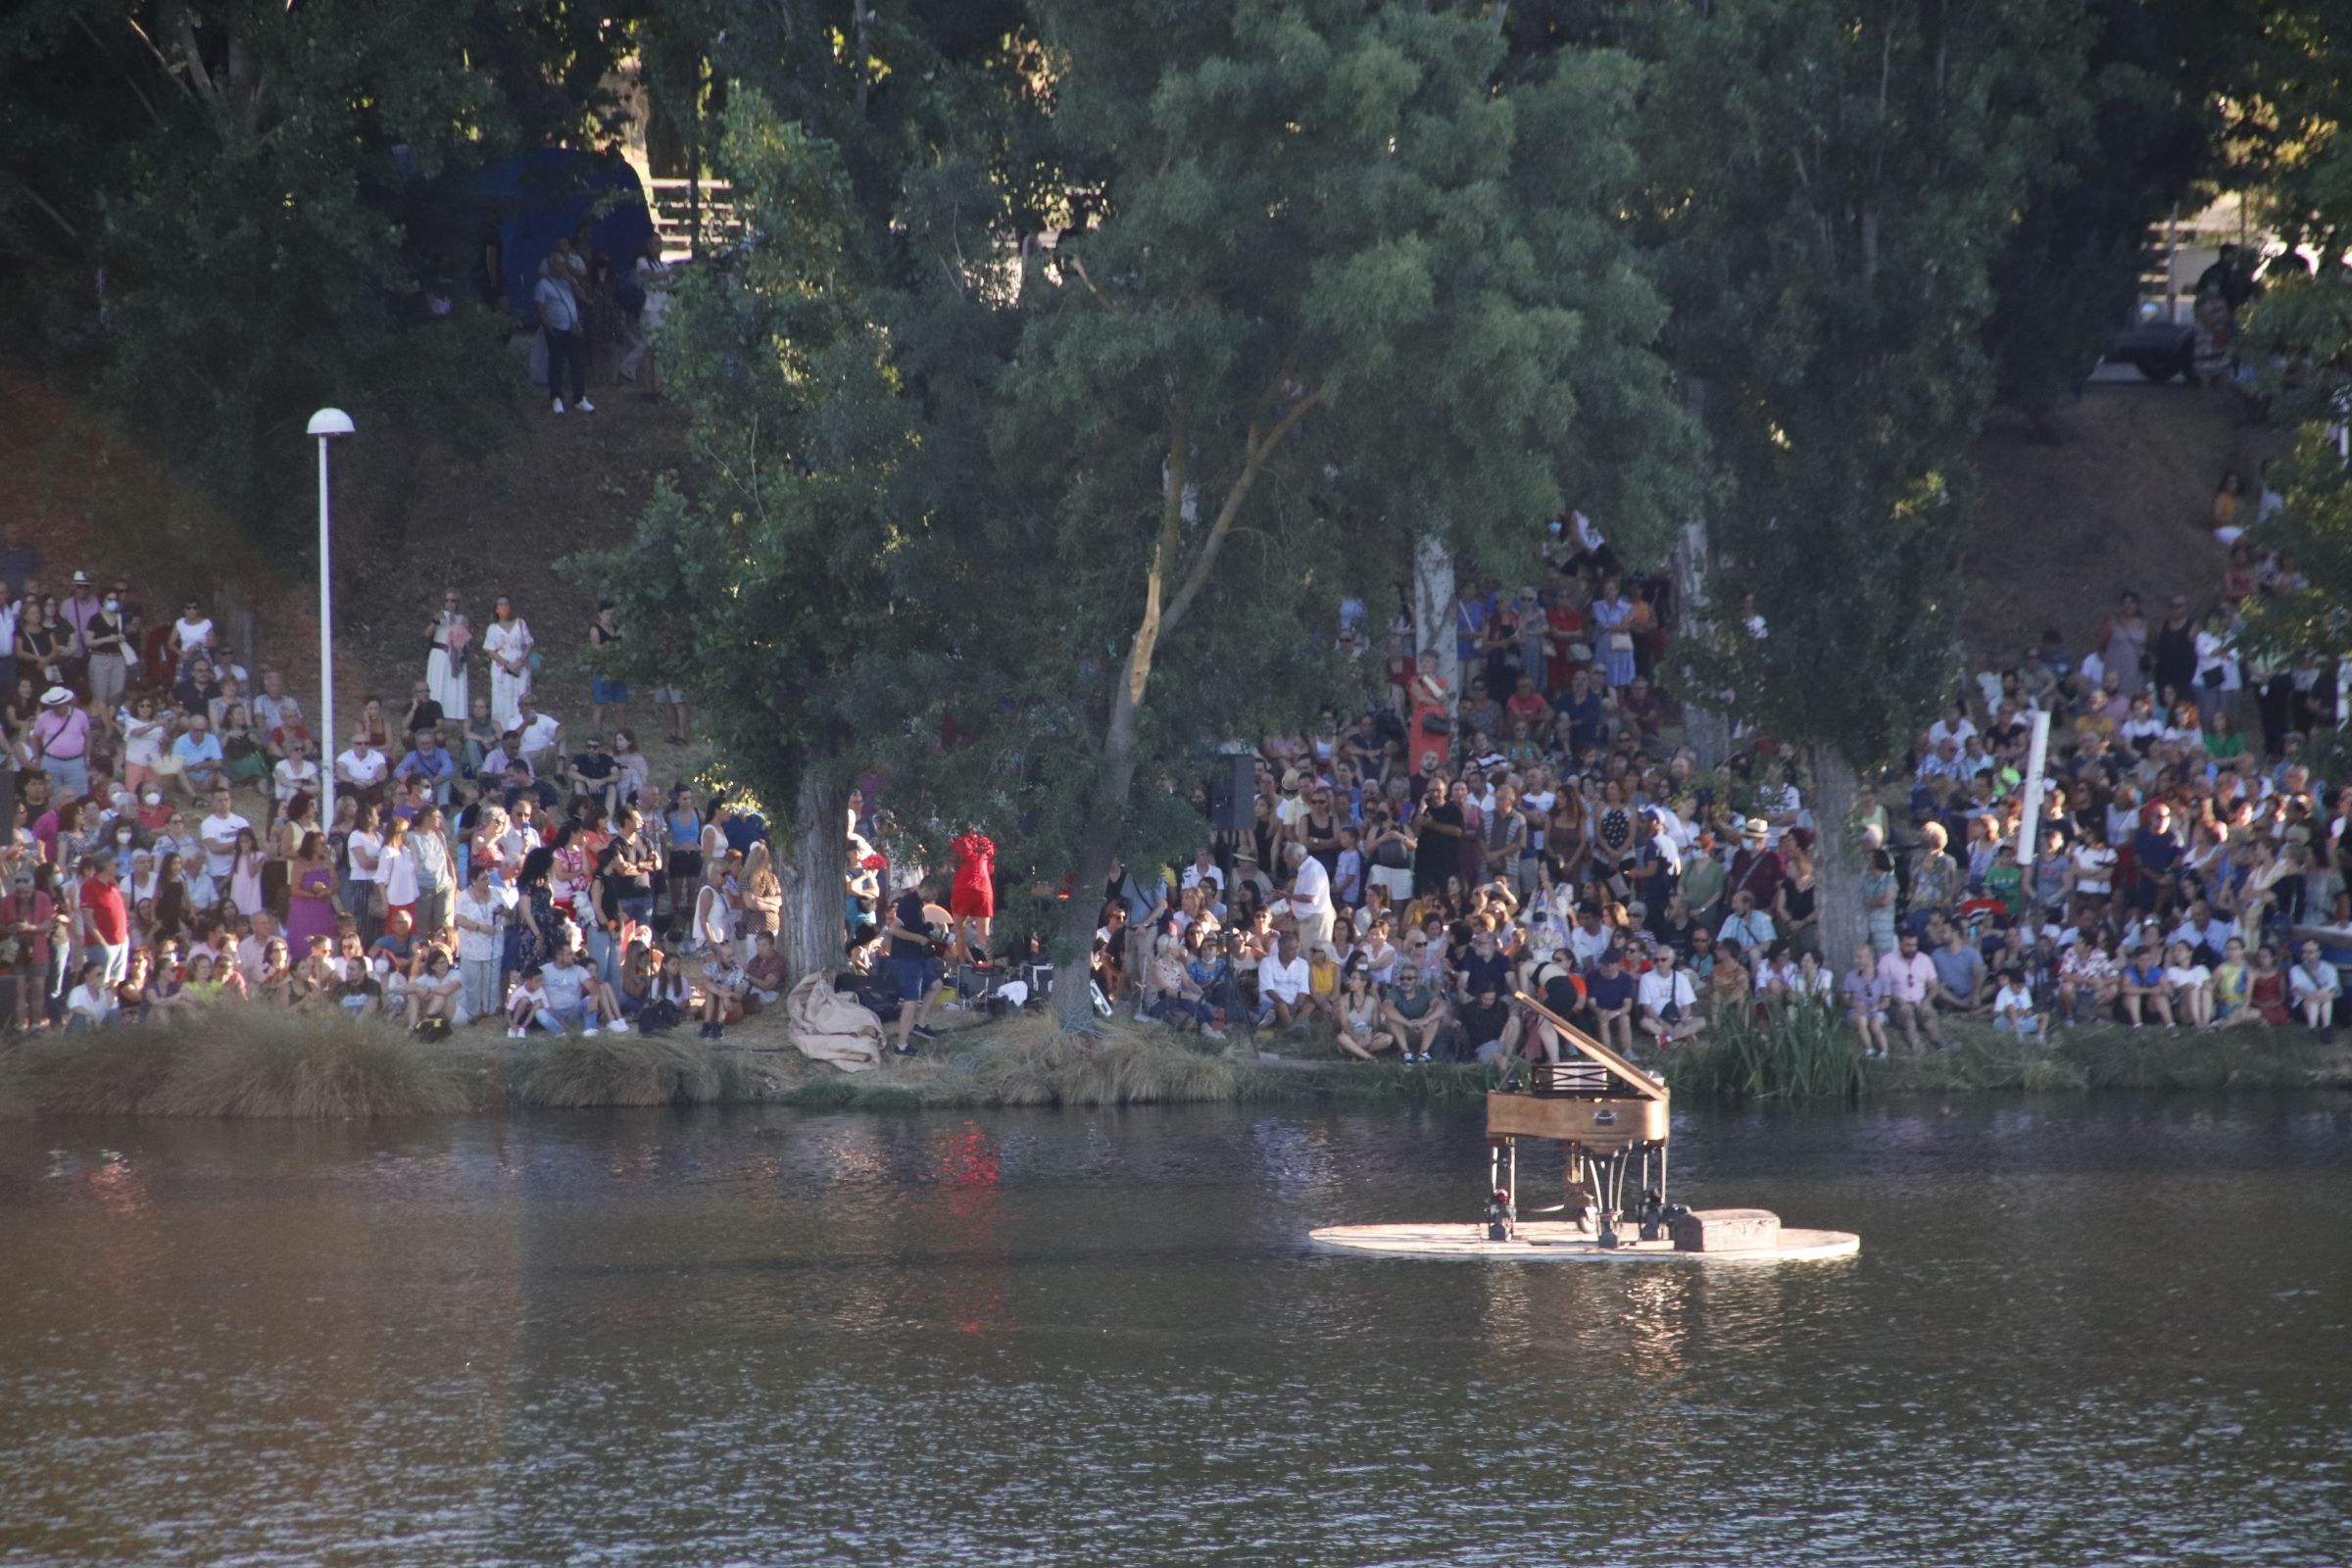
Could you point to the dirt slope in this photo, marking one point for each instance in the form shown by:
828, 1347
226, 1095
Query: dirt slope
2123, 501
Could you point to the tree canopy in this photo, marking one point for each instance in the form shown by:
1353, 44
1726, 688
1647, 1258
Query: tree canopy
1311, 275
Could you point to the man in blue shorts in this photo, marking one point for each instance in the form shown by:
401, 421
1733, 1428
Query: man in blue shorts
912, 964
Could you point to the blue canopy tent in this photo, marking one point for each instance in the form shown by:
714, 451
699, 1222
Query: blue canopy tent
536, 199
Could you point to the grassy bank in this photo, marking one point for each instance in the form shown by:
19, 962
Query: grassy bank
250, 1062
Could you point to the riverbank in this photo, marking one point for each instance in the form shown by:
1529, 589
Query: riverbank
256, 1063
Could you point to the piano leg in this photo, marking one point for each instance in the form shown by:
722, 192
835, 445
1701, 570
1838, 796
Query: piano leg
1577, 1208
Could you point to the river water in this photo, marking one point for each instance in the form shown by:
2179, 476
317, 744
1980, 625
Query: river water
2078, 1331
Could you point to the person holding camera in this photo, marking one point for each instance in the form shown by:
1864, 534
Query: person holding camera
914, 963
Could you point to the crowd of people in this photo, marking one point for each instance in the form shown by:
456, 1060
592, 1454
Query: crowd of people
168, 850
1412, 869
1407, 872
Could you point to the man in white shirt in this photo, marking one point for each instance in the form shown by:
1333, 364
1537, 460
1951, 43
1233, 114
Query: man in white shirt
360, 769
296, 774
1668, 1005
1204, 869
1588, 940
1309, 897
1282, 985
1289, 807
480, 919
219, 833
542, 734
253, 948
275, 715
1747, 928
2316, 986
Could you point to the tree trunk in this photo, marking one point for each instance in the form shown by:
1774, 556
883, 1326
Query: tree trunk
1705, 731
1114, 774
1837, 858
808, 928
1433, 611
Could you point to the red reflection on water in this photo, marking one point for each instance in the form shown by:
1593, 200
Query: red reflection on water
117, 1187
968, 1164
968, 1158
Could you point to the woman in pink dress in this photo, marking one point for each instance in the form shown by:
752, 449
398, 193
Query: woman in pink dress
310, 895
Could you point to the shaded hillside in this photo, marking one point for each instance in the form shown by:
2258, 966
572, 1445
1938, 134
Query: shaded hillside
2123, 501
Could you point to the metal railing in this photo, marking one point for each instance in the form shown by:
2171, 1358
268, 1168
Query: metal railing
677, 203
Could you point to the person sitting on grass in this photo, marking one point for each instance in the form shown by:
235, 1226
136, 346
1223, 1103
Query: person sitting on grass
1285, 995
2314, 985
433, 993
1209, 976
765, 976
1666, 1006
1959, 973
1414, 1012
1864, 991
1489, 1029
208, 982
2088, 983
1910, 977
90, 1004
723, 986
1610, 996
1360, 1020
2190, 986
2232, 985
2143, 987
574, 995
528, 1005
2013, 1011
361, 988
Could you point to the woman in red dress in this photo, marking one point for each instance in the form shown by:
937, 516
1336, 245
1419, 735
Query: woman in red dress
973, 898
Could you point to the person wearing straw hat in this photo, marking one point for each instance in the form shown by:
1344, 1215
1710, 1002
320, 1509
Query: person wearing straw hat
1756, 867
61, 742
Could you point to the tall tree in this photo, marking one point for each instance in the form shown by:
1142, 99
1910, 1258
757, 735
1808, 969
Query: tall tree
1316, 281
1830, 184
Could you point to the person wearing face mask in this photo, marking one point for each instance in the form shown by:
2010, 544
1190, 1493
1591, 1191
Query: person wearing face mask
123, 843
105, 644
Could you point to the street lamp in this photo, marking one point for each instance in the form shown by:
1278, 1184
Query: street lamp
326, 424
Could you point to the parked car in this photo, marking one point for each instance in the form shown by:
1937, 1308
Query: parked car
2158, 348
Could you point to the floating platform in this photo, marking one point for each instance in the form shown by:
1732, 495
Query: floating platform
1560, 1242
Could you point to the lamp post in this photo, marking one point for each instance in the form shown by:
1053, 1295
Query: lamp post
325, 425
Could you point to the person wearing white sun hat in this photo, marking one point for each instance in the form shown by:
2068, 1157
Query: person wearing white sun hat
61, 743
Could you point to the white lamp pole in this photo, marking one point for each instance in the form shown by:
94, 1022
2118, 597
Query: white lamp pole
326, 424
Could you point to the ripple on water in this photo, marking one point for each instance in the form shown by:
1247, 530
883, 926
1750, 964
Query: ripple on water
2078, 1333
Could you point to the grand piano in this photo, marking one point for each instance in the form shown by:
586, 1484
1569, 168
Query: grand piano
1610, 1118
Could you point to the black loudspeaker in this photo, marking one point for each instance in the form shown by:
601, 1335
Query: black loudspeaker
1233, 793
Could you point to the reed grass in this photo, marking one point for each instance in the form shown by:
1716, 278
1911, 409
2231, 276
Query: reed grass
1029, 1061
578, 1071
234, 1061
1796, 1053
112, 1073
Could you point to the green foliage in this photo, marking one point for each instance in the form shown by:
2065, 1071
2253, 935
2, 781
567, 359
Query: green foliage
1319, 280
1796, 1051
205, 222
1828, 187
2137, 139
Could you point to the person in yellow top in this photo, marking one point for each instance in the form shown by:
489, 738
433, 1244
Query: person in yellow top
1323, 983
